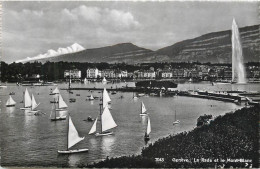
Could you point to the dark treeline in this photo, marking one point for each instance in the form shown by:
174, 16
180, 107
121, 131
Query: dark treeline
232, 136
50, 71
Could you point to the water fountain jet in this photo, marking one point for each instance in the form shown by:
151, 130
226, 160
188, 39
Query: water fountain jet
238, 68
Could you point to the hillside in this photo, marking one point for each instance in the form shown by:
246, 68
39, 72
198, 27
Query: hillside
124, 52
215, 47
227, 138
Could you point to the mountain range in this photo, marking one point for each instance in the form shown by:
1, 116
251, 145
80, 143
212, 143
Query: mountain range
212, 47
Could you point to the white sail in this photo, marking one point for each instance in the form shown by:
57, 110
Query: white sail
73, 135
34, 104
62, 104
91, 97
56, 91
10, 101
104, 80
143, 108
106, 98
62, 113
94, 127
148, 130
107, 120
85, 80
27, 99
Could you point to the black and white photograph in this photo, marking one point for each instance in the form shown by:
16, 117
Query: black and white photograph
129, 84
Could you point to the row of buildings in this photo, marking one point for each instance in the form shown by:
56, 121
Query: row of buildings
202, 72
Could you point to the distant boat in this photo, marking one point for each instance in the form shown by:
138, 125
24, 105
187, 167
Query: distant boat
34, 105
107, 123
55, 91
141, 94
61, 104
104, 80
148, 130
60, 114
91, 97
143, 110
27, 101
72, 139
134, 96
176, 121
85, 81
10, 102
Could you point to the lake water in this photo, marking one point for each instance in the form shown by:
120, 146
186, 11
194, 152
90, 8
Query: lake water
28, 140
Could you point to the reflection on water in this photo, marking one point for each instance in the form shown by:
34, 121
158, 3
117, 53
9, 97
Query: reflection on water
10, 110
143, 120
74, 159
91, 102
107, 143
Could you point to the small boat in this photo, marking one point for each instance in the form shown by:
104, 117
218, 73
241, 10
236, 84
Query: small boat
106, 123
61, 114
143, 110
176, 121
104, 80
134, 96
10, 102
72, 100
85, 81
72, 139
90, 118
91, 97
61, 104
77, 94
141, 94
12, 93
113, 93
148, 130
55, 91
27, 101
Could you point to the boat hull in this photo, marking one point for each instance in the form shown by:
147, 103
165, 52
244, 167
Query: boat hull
60, 109
72, 151
10, 105
59, 118
25, 108
143, 114
104, 134
176, 122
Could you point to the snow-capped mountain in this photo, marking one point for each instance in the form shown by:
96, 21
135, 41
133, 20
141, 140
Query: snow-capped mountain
52, 53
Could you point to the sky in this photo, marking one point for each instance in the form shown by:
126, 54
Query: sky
32, 28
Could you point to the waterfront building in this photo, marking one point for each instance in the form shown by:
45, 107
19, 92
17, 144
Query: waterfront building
74, 74
110, 73
149, 74
92, 73
165, 74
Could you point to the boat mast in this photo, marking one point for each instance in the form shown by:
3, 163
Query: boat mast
100, 105
68, 133
55, 108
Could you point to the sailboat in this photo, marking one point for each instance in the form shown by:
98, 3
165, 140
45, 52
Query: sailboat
143, 110
27, 101
107, 123
176, 121
85, 81
34, 105
91, 97
106, 99
61, 104
10, 102
148, 130
60, 113
134, 96
55, 91
104, 80
72, 139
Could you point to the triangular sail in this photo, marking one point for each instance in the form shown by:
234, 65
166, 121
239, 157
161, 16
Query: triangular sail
94, 127
34, 104
10, 101
107, 120
62, 104
51, 111
27, 99
148, 130
91, 97
56, 91
85, 80
106, 98
62, 113
73, 135
143, 108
